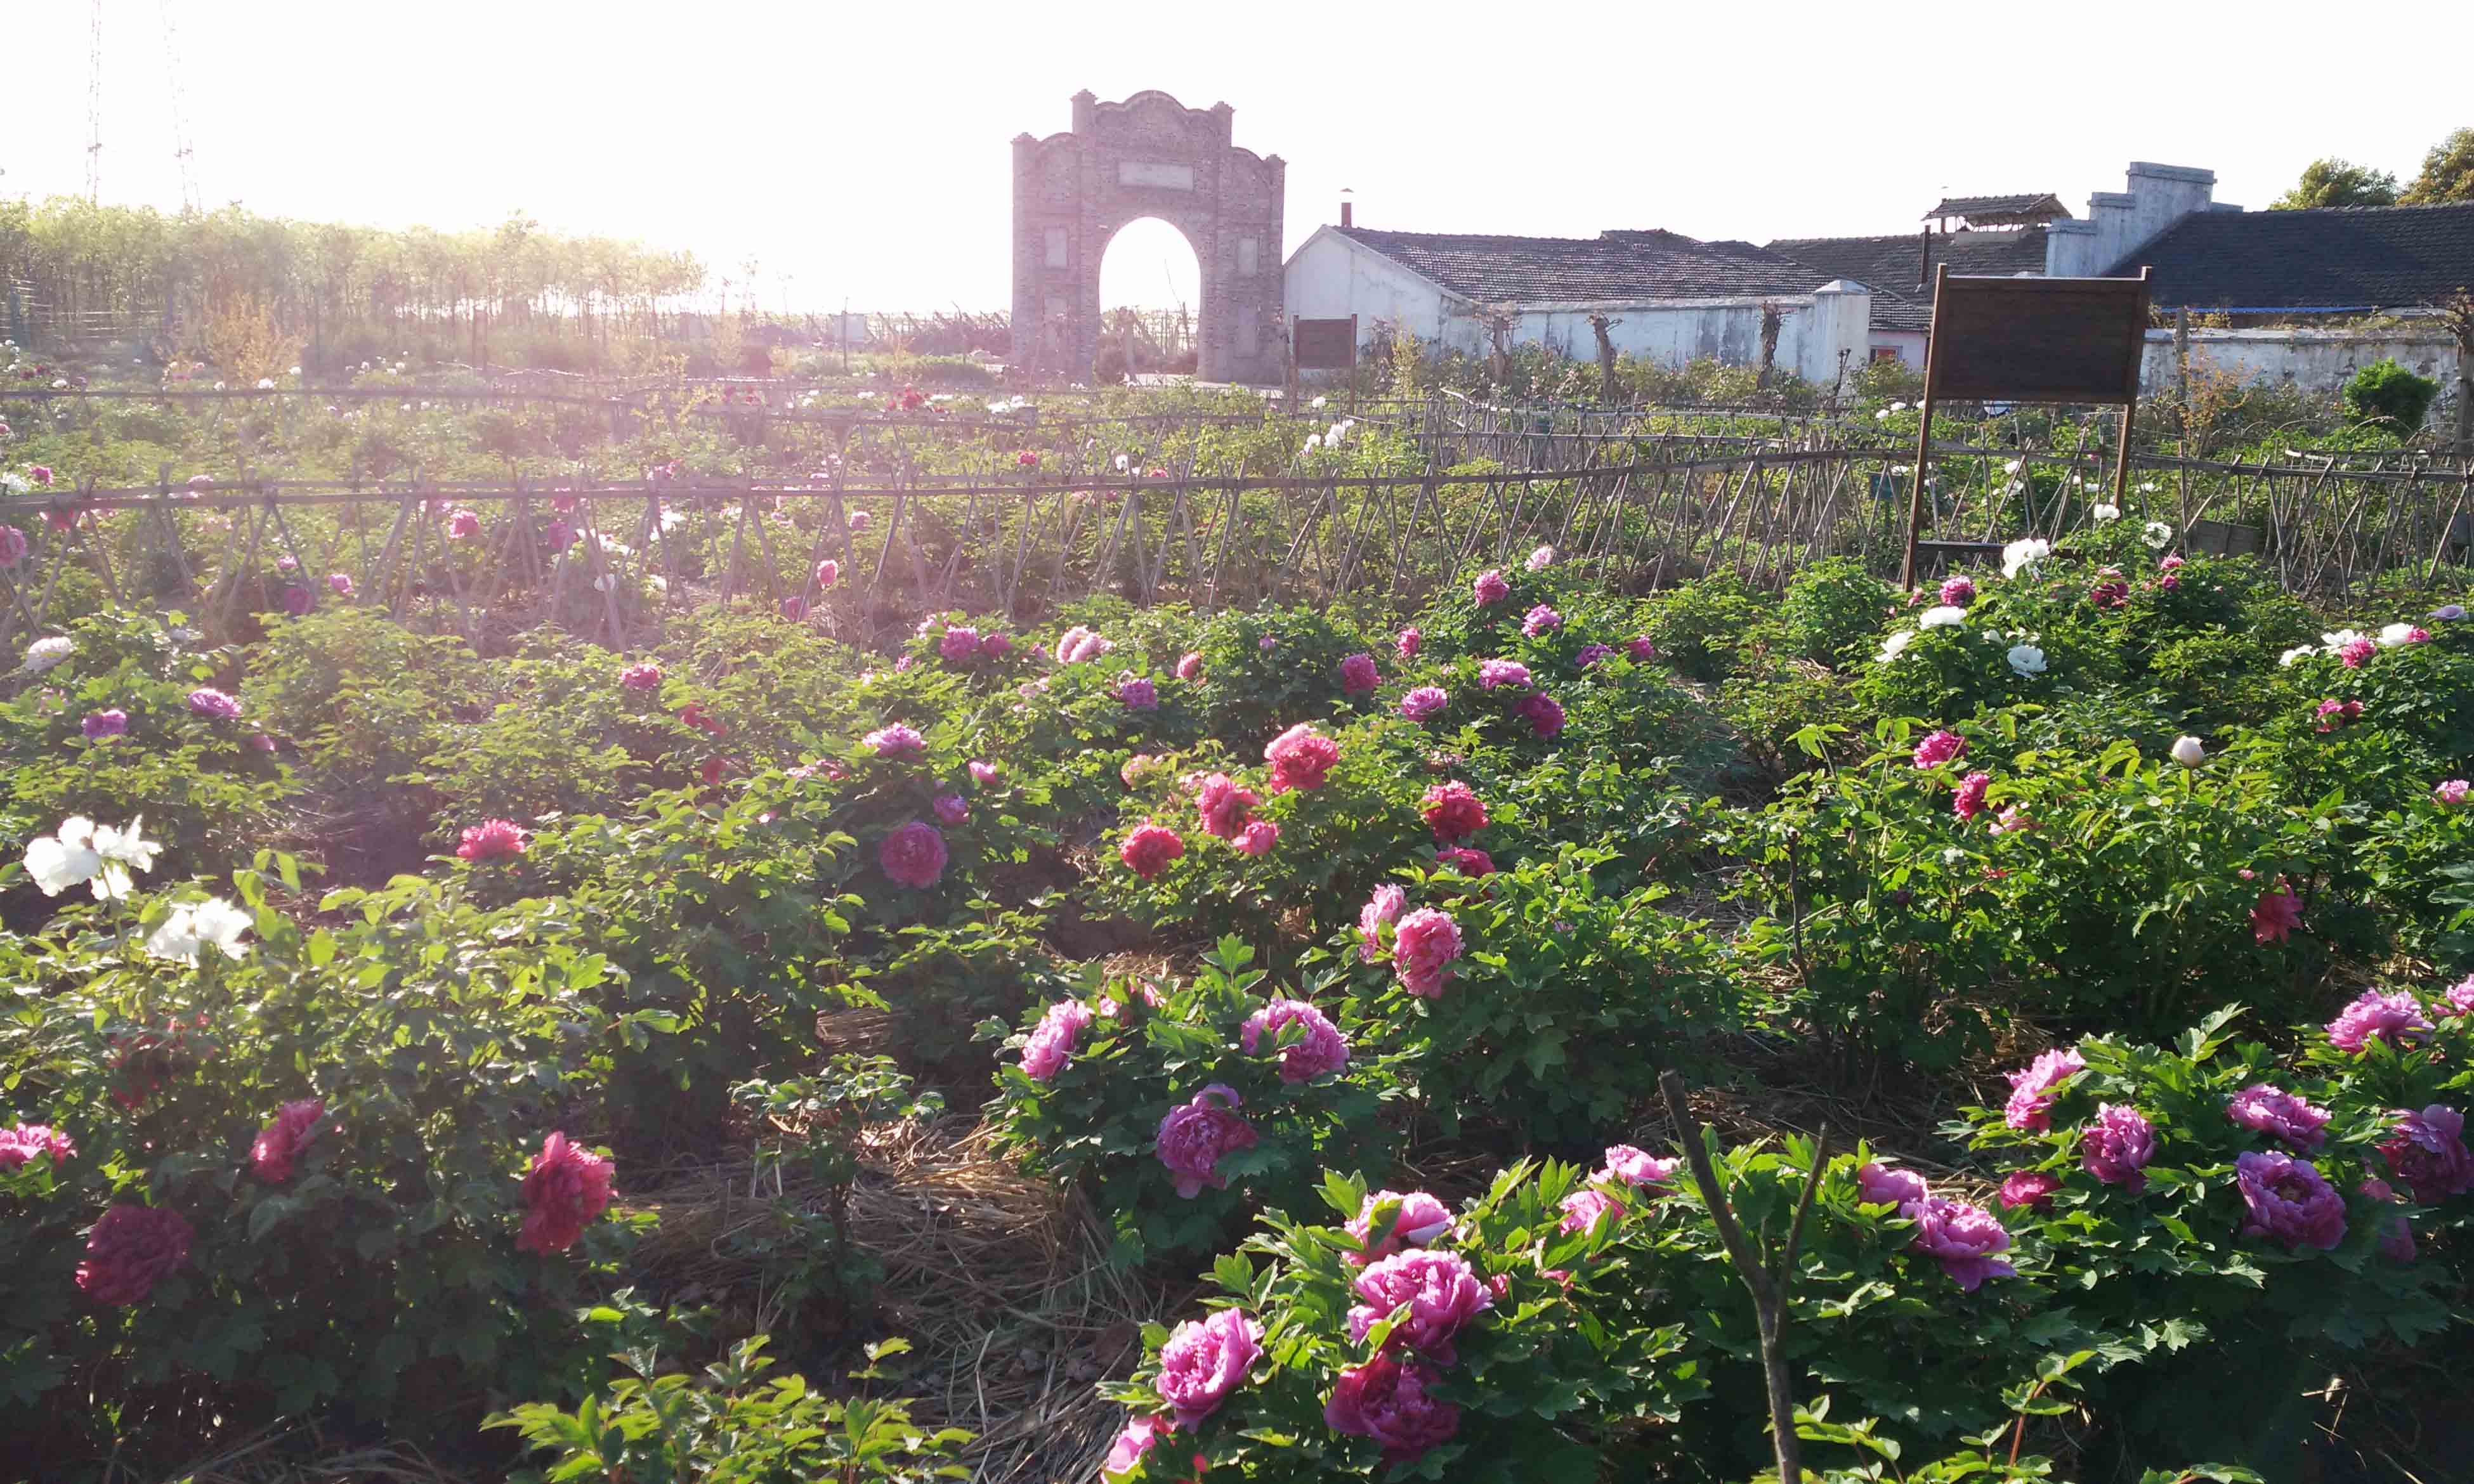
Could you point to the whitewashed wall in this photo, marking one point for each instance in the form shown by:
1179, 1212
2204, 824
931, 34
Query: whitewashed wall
2318, 362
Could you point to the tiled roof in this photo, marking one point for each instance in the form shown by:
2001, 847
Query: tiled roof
2353, 257
1617, 266
2038, 203
1888, 265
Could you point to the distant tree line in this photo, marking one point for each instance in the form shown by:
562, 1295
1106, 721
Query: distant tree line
2447, 176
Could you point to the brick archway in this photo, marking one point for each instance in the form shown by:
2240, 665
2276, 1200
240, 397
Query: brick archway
1149, 155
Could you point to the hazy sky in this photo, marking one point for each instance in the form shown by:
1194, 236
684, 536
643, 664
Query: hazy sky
860, 149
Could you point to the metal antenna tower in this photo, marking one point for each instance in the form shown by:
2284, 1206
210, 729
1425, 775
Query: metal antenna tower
180, 150
94, 107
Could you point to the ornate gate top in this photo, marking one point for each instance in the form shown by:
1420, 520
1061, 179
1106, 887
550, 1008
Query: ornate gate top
1149, 155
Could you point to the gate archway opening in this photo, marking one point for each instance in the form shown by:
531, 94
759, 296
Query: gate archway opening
1150, 302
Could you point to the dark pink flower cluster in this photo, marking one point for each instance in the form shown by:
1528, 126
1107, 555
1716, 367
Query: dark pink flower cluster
1938, 747
1414, 1219
2032, 1089
896, 741
1203, 1360
1386, 1400
2427, 1151
492, 840
641, 677
2276, 915
1052, 1041
1316, 1049
2116, 1144
1149, 848
2333, 713
1358, 674
1961, 1237
1423, 948
1194, 1135
1543, 711
1453, 812
280, 1142
1225, 806
568, 1186
20, 1142
1968, 800
2393, 1018
2288, 1200
1490, 589
131, 1249
1424, 702
2266, 1110
912, 855
1439, 1291
1299, 757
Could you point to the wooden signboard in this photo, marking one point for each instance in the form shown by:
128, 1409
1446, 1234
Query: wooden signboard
1326, 344
2029, 340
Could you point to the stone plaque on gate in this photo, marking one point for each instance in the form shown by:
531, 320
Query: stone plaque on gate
1326, 344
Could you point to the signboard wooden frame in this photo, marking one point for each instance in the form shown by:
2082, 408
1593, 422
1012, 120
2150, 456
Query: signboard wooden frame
1325, 344
2029, 340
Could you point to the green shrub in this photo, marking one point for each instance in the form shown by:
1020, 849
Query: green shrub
1834, 611
2387, 395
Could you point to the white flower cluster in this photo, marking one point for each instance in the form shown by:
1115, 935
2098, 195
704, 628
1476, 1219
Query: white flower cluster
83, 852
193, 927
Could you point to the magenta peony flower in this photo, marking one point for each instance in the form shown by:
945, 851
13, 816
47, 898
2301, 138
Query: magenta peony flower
1299, 757
568, 1186
2266, 1110
1938, 747
1641, 647
952, 809
1381, 910
1134, 1445
1415, 1220
1467, 861
2459, 999
2276, 915
1636, 1167
1880, 1185
1957, 592
1540, 619
995, 646
99, 725
131, 1249
464, 524
2031, 1091
1147, 851
1267, 643
2452, 792
1387, 1401
20, 1142
2289, 1200
1962, 1238
828, 572
12, 546
296, 600
1422, 948
1545, 713
983, 774
1193, 1136
2029, 1188
2427, 1151
959, 644
1051, 1040
1490, 589
1136, 693
1588, 1210
1441, 1293
1492, 673
1453, 812
340, 584
2396, 1233
1189, 664
1424, 702
2358, 652
1968, 800
493, 839
912, 855
1204, 1360
641, 677
1318, 1049
2116, 1144
1408, 641
1592, 654
2393, 1018
1257, 837
859, 519
280, 1142
208, 701
896, 741
1358, 674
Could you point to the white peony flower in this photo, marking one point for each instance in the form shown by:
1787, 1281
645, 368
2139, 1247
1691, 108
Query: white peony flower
121, 851
2147, 486
2393, 634
193, 927
1542, 559
2341, 637
1314, 441
2106, 512
2027, 660
2011, 467
1896, 645
2188, 752
1898, 407
2021, 555
43, 654
2158, 535
1318, 404
2297, 652
266, 383
64, 859
1943, 616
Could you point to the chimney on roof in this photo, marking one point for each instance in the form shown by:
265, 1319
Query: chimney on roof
1923, 262
1347, 217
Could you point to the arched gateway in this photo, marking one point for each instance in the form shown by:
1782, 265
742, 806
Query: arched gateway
1148, 156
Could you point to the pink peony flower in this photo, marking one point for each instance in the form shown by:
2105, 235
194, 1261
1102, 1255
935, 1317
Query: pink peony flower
1079, 645
1267, 643
1968, 801
1138, 694
1149, 848
40, 474
131, 1249
280, 1142
1204, 1360
2417, 634
464, 524
1544, 712
1962, 1238
1358, 674
1318, 1047
296, 600
959, 644
207, 702
858, 519
1501, 672
1408, 641
1880, 1185
1957, 592
2459, 999
2031, 1091
2358, 652
1441, 1293
2427, 1151
2266, 1110
1189, 664
492, 840
340, 584
1490, 589
828, 572
568, 1186
2116, 1144
1637, 1167
2393, 1018
1193, 1136
952, 809
2029, 1188
1424, 702
1587, 1209
641, 677
1381, 910
2276, 915
1592, 654
2396, 1233
1387, 1401
1465, 860
1415, 1219
1257, 837
1938, 747
100, 725
912, 855
14, 546
1299, 757
983, 774
2453, 792
1422, 948
1453, 812
1639, 648
1134, 1445
1542, 559
20, 1142
896, 741
1051, 1040
1540, 619
2289, 1200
